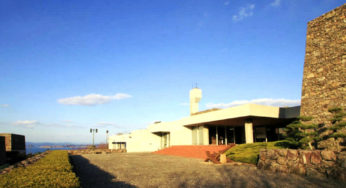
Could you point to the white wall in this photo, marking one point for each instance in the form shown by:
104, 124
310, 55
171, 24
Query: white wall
137, 141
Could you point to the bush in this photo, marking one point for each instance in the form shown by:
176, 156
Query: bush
54, 170
248, 153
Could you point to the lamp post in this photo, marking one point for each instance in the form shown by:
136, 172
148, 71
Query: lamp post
107, 138
93, 131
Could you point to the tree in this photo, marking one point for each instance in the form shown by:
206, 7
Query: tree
301, 134
338, 123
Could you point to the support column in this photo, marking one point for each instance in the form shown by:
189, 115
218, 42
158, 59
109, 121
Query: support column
205, 135
248, 131
226, 136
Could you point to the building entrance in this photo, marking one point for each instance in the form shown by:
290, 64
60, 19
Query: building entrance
221, 135
165, 140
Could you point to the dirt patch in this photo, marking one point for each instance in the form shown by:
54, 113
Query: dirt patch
152, 170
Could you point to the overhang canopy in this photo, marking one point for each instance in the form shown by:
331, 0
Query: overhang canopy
237, 115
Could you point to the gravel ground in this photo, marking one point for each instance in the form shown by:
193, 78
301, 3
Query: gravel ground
154, 170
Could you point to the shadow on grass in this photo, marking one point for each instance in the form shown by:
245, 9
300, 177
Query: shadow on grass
92, 176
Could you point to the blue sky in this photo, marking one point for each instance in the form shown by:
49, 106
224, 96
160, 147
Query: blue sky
67, 66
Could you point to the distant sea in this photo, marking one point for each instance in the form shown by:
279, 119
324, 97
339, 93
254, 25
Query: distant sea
34, 150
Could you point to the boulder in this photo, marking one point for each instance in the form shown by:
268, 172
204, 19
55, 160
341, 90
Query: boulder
281, 160
316, 157
282, 152
271, 154
328, 155
327, 164
292, 154
299, 169
262, 155
304, 157
260, 164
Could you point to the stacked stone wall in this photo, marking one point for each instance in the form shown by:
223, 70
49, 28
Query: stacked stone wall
14, 142
2, 150
324, 79
314, 163
95, 151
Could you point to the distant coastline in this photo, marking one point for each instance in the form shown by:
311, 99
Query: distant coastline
40, 150
32, 148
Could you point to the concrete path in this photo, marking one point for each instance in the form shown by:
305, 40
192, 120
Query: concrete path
153, 170
192, 151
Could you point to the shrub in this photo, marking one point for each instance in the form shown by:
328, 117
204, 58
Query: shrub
301, 134
54, 170
338, 124
248, 153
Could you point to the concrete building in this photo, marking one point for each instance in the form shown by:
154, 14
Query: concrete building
2, 150
240, 124
14, 143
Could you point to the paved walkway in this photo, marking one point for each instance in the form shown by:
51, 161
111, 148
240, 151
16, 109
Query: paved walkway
191, 151
152, 170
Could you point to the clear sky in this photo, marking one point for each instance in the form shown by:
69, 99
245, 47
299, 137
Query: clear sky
118, 65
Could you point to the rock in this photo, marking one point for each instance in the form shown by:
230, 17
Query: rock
281, 160
271, 154
223, 158
291, 163
328, 155
292, 154
282, 152
327, 164
273, 166
341, 155
316, 157
304, 157
299, 169
267, 165
260, 164
262, 155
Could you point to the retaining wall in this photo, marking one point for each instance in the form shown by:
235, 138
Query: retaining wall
316, 163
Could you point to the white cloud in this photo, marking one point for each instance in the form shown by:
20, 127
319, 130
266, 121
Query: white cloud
275, 3
264, 101
4, 105
67, 121
244, 12
92, 99
27, 123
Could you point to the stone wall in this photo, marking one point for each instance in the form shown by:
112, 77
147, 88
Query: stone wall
314, 163
95, 151
324, 79
2, 150
14, 142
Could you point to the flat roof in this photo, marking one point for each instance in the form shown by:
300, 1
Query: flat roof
246, 110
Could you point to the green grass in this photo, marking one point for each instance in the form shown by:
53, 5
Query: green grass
53, 170
248, 153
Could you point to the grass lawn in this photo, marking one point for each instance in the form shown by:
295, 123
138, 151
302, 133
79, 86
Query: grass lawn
248, 153
53, 170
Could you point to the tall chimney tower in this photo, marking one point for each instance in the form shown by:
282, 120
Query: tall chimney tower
195, 97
